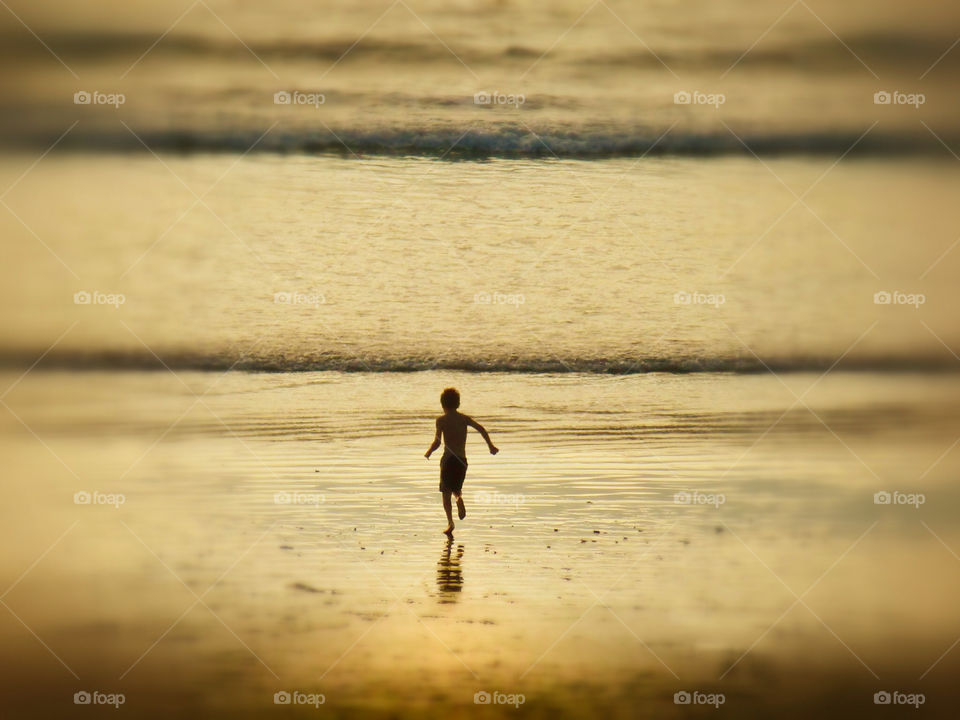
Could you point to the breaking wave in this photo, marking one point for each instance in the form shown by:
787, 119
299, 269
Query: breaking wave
135, 360
499, 141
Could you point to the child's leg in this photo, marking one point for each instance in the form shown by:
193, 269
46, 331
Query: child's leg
461, 510
448, 509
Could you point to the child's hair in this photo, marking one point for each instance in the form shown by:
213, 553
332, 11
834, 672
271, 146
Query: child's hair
450, 399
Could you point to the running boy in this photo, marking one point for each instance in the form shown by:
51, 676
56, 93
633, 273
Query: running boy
452, 426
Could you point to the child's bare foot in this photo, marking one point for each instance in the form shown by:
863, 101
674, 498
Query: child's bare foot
449, 530
461, 510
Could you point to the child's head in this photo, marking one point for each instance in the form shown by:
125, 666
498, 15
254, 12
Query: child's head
450, 399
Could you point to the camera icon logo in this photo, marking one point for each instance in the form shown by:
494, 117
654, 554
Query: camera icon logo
81, 698
881, 97
881, 498
281, 698
481, 98
282, 298
682, 498
681, 698
882, 698
882, 298
281, 98
81, 97
81, 298
81, 498
682, 98
481, 697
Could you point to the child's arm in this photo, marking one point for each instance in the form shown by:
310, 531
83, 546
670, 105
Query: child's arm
483, 433
436, 442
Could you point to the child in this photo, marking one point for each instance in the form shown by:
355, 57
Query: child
452, 425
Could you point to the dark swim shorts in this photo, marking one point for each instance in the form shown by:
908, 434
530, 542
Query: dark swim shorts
453, 470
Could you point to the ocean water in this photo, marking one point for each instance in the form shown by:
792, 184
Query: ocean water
715, 341
413, 263
398, 220
596, 79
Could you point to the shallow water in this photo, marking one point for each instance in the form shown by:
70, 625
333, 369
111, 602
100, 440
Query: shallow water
577, 561
320, 262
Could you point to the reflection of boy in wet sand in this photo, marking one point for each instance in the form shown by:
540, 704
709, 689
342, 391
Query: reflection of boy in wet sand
452, 426
449, 574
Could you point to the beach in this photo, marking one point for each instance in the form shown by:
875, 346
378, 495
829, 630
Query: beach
241, 539
693, 268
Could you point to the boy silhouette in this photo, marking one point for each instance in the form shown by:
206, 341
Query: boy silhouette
452, 427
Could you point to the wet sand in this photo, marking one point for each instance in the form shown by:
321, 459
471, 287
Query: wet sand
282, 533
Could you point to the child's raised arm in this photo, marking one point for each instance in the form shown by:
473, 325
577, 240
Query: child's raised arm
483, 433
436, 442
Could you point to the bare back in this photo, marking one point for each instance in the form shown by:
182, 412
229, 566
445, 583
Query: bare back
453, 427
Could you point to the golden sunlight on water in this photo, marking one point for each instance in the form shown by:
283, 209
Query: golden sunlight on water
692, 265
268, 537
316, 270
